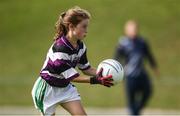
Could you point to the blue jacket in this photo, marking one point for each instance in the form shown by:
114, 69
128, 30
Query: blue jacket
133, 52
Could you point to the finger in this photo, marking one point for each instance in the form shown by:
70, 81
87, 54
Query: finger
100, 72
108, 83
107, 86
107, 77
110, 79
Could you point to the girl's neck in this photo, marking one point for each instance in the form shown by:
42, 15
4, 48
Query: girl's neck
72, 40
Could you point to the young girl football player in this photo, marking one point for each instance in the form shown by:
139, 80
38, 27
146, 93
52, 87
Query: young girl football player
54, 87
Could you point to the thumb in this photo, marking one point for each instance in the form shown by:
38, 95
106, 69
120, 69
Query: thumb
100, 72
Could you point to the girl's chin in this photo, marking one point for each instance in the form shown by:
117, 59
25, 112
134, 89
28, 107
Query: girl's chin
81, 38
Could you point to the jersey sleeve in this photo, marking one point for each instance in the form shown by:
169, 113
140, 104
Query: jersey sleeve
70, 74
83, 63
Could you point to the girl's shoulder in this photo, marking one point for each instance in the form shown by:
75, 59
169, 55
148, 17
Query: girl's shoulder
59, 46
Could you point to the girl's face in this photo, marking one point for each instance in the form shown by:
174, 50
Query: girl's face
80, 30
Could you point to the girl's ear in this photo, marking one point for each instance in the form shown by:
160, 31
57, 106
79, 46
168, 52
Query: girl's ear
71, 27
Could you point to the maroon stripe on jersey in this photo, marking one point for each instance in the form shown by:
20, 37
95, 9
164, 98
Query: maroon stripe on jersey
58, 66
63, 45
57, 82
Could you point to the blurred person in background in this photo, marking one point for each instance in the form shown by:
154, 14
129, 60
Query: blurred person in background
131, 50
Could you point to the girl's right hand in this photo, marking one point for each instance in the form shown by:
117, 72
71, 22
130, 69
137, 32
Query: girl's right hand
99, 79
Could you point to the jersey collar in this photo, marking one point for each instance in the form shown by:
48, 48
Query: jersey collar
68, 44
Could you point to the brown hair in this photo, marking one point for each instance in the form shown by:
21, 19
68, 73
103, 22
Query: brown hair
72, 16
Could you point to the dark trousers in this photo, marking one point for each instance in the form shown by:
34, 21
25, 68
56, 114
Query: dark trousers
138, 91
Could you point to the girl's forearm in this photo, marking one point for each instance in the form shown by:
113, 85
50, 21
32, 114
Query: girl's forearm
91, 71
82, 79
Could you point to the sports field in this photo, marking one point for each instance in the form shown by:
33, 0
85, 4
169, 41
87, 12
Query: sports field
27, 30
92, 111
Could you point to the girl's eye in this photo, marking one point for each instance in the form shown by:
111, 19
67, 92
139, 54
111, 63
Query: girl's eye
84, 26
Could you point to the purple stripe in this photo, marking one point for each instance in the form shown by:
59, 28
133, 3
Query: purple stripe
57, 63
67, 43
59, 42
57, 82
63, 41
57, 67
